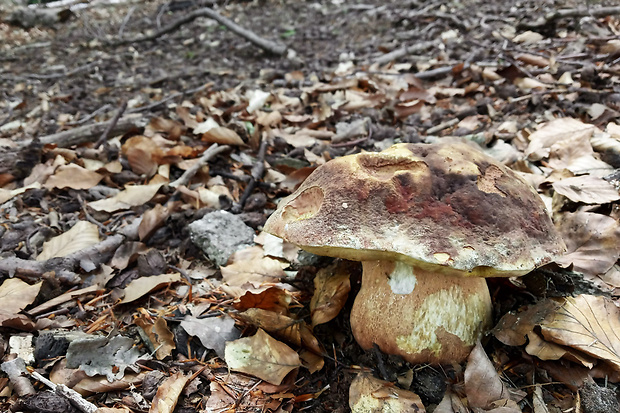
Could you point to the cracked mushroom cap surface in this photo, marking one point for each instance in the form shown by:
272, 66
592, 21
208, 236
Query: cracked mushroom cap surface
446, 205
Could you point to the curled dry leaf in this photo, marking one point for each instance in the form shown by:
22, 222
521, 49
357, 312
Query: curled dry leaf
168, 393
286, 328
74, 177
144, 285
6, 194
592, 241
262, 356
82, 235
587, 189
585, 328
544, 142
152, 220
587, 323
483, 386
331, 290
370, 395
272, 299
160, 335
143, 155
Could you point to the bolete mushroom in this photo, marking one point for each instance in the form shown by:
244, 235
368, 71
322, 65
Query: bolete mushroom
428, 222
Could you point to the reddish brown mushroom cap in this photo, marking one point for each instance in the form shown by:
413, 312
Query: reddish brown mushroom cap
425, 204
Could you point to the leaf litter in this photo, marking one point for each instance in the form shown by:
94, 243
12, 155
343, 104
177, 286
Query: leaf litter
269, 328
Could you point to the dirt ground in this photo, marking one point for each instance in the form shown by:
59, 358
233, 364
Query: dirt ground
55, 79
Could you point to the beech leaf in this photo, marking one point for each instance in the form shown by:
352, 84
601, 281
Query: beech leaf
261, 356
370, 395
587, 189
144, 285
168, 393
331, 290
82, 235
16, 294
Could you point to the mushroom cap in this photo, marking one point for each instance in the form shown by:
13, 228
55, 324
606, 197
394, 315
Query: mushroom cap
448, 207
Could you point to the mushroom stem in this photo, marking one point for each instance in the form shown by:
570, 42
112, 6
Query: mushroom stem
422, 315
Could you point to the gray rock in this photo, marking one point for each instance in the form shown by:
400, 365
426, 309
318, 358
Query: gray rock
219, 234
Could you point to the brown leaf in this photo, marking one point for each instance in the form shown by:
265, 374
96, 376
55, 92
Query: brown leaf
82, 235
272, 299
587, 323
143, 155
587, 189
222, 136
261, 356
160, 335
15, 295
331, 290
483, 385
74, 177
251, 271
133, 195
592, 241
282, 326
168, 393
370, 395
152, 220
127, 253
144, 285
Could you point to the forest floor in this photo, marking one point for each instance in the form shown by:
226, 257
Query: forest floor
538, 91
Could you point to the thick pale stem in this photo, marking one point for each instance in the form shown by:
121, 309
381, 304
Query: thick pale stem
421, 315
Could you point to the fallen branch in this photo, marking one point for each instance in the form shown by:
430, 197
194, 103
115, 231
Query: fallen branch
404, 51
74, 397
550, 18
206, 157
272, 47
64, 267
258, 170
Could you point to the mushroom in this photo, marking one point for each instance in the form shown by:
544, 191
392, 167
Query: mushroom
428, 222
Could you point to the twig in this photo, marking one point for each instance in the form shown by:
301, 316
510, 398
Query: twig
442, 126
111, 125
125, 21
90, 116
272, 47
551, 17
88, 133
74, 397
65, 74
377, 352
258, 170
206, 157
403, 51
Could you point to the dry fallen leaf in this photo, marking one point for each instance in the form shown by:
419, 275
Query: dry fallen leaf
144, 285
152, 220
133, 195
15, 294
592, 241
331, 290
272, 299
262, 356
143, 155
168, 393
251, 271
483, 386
223, 136
213, 332
74, 177
370, 395
587, 189
160, 335
82, 235
587, 323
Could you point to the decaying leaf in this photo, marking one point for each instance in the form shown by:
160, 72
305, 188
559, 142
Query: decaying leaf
261, 356
483, 386
223, 136
143, 155
159, 334
82, 235
370, 395
144, 285
592, 241
587, 189
213, 332
152, 220
331, 290
168, 393
100, 355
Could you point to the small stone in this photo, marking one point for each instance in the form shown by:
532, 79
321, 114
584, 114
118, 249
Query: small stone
219, 234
